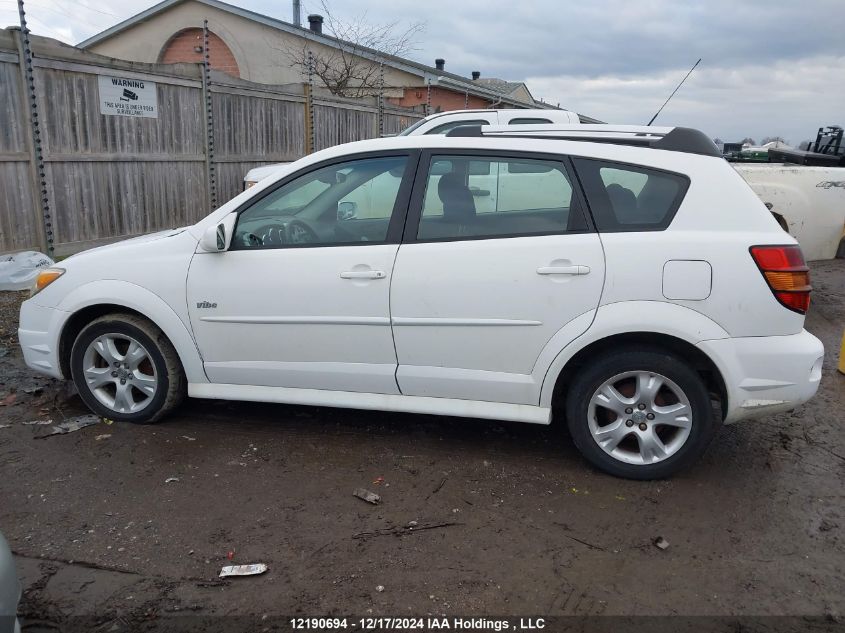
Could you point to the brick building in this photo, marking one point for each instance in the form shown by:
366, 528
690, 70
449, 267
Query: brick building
254, 47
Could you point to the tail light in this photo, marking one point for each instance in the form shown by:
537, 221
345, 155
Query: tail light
787, 274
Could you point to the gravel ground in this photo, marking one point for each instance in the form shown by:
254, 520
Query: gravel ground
518, 523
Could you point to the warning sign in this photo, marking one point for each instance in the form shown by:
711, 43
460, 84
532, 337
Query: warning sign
128, 97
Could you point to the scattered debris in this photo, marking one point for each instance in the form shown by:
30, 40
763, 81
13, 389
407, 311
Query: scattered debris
108, 422
8, 400
827, 526
380, 588
103, 436
190, 439
230, 555
3, 351
18, 271
403, 530
5, 426
71, 425
439, 486
366, 495
38, 422
213, 583
33, 390
378, 480
661, 543
169, 480
243, 570
412, 524
578, 540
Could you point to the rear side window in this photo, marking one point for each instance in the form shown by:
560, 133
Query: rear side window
525, 121
630, 198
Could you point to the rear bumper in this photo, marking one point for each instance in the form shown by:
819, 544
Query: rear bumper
767, 374
39, 337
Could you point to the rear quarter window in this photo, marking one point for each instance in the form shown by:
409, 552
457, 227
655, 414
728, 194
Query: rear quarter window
526, 121
625, 197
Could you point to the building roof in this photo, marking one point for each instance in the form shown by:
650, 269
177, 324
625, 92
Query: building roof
500, 85
428, 73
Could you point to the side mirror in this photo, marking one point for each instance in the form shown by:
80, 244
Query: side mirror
347, 210
217, 237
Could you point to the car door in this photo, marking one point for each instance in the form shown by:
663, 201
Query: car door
479, 292
301, 297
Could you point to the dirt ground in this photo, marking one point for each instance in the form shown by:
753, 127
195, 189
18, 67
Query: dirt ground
519, 524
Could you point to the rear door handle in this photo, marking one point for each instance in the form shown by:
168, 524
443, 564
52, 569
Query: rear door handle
563, 270
363, 274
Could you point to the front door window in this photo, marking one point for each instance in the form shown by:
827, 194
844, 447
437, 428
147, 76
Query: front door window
346, 203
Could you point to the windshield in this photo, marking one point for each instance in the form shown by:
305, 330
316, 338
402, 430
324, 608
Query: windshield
412, 127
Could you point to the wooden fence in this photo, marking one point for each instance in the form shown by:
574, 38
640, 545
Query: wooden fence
107, 177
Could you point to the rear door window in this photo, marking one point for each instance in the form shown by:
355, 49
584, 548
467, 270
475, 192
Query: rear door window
628, 197
470, 197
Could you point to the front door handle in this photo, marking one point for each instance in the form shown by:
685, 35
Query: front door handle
363, 274
563, 270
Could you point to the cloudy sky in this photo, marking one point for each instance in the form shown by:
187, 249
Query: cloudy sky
770, 67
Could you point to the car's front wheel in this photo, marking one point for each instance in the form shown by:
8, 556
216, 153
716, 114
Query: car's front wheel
640, 414
126, 369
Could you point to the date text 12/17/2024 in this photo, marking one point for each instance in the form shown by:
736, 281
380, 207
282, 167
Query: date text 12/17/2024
431, 623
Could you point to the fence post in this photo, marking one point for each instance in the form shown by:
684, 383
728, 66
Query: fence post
38, 177
210, 168
380, 103
309, 106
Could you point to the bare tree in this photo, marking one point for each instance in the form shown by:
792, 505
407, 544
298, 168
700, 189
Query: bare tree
771, 139
748, 141
351, 66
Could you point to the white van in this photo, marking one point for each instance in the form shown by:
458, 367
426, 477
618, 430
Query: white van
442, 122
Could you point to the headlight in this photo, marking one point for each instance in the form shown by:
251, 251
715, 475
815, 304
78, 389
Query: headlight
45, 278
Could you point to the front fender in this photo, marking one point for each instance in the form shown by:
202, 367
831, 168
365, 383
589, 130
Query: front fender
147, 303
625, 317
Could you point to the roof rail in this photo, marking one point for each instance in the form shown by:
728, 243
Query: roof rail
673, 139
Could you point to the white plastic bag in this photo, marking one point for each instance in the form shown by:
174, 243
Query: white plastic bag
18, 270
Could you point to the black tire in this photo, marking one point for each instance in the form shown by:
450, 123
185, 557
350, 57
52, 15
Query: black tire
589, 378
171, 385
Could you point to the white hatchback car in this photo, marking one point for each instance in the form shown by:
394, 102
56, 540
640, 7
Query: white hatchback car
624, 276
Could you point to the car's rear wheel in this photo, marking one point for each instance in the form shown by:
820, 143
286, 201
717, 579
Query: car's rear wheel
126, 369
641, 414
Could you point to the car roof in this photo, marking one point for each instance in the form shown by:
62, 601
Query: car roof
572, 140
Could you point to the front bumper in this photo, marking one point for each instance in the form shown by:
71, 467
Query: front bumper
39, 337
767, 374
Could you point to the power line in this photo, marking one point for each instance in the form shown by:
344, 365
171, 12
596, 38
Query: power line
85, 6
44, 25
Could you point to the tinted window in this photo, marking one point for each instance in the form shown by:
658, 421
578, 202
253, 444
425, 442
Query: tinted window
346, 203
528, 121
446, 127
629, 198
488, 197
